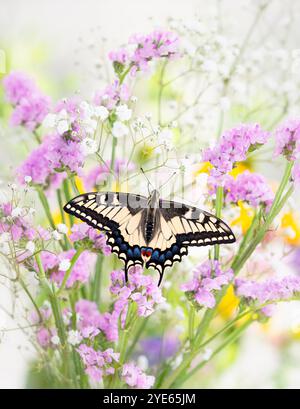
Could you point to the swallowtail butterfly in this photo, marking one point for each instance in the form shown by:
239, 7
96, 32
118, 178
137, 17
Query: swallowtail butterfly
150, 232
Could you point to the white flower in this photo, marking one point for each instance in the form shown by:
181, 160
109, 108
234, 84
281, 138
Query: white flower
119, 129
30, 246
143, 362
88, 146
165, 137
133, 99
27, 179
62, 228
55, 340
123, 112
56, 235
49, 121
62, 126
101, 112
64, 265
17, 212
74, 338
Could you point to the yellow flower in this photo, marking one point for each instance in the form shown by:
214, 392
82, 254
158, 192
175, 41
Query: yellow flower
290, 222
240, 168
228, 304
204, 167
244, 220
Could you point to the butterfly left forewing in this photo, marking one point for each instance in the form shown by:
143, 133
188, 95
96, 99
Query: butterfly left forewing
119, 215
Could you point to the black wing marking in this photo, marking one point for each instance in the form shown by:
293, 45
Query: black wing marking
182, 226
119, 215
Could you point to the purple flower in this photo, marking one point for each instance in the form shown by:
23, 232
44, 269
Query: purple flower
62, 153
135, 377
80, 271
273, 289
43, 337
112, 95
30, 112
157, 349
156, 45
89, 318
287, 137
208, 278
30, 105
18, 86
233, 148
92, 238
97, 363
249, 187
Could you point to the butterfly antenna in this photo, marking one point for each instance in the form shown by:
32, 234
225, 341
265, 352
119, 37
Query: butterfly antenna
148, 180
167, 181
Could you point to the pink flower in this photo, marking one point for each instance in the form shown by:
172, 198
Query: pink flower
43, 337
80, 271
156, 45
30, 112
248, 187
233, 148
97, 240
112, 95
135, 377
18, 86
208, 278
97, 363
287, 137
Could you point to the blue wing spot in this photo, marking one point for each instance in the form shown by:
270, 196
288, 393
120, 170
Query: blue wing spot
130, 253
169, 254
162, 258
155, 255
175, 249
137, 252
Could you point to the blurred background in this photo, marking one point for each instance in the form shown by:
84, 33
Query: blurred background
62, 45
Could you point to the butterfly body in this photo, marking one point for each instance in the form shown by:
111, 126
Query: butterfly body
151, 232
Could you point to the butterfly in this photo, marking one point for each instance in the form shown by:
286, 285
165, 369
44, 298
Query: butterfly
149, 232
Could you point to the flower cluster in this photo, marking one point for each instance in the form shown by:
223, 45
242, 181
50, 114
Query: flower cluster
111, 95
135, 377
46, 165
248, 187
15, 225
208, 278
98, 363
83, 234
57, 265
233, 147
145, 48
273, 289
287, 137
30, 105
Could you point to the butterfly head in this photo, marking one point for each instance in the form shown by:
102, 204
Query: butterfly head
153, 199
146, 254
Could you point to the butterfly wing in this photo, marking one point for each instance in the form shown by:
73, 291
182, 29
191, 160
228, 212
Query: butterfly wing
120, 216
182, 226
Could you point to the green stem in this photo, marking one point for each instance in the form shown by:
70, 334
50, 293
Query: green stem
69, 271
68, 197
191, 324
277, 205
46, 206
230, 339
96, 287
